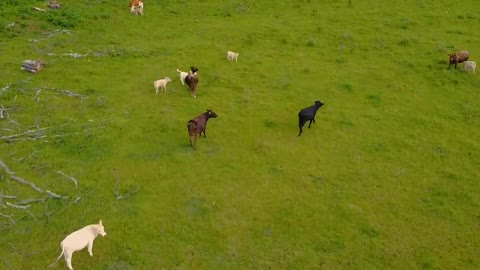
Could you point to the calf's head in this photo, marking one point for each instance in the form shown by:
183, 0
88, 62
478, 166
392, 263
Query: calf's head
193, 69
453, 57
319, 103
99, 229
211, 114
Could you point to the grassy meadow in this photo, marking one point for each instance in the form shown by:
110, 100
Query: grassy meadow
387, 177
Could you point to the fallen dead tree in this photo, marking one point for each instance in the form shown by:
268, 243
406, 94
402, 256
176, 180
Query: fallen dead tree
106, 52
52, 34
9, 217
58, 90
24, 205
30, 184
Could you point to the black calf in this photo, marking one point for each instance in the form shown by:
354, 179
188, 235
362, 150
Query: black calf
308, 114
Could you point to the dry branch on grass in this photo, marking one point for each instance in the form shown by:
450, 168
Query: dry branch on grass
31, 133
3, 111
118, 195
17, 206
69, 177
61, 91
9, 217
39, 9
5, 88
7, 264
9, 85
52, 34
107, 51
24, 182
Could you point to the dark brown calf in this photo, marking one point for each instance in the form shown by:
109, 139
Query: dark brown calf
198, 125
308, 114
458, 57
191, 80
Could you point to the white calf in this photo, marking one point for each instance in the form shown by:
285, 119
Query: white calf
182, 75
232, 56
161, 83
470, 66
78, 240
138, 12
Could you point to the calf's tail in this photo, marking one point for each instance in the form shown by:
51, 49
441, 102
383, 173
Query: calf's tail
61, 254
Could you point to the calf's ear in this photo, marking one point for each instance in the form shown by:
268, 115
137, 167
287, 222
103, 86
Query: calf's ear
100, 222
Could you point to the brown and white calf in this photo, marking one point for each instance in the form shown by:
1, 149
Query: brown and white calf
136, 3
183, 75
458, 57
79, 239
198, 125
191, 80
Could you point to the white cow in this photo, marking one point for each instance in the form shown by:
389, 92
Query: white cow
232, 56
470, 66
183, 74
161, 83
78, 240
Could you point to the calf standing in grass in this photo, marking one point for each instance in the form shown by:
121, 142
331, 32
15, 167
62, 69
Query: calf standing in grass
308, 114
134, 4
198, 125
161, 83
458, 57
79, 240
232, 56
470, 66
191, 80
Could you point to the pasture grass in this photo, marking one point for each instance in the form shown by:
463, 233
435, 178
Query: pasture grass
387, 177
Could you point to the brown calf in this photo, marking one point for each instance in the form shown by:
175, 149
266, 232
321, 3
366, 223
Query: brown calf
136, 3
191, 80
198, 125
458, 57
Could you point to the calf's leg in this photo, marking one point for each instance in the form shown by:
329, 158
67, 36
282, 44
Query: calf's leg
301, 123
68, 259
90, 246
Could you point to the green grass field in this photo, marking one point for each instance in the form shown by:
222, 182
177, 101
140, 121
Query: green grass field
387, 177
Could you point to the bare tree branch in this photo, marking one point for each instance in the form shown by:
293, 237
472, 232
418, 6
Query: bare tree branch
117, 193
69, 177
54, 195
77, 200
4, 166
52, 34
32, 185
21, 181
27, 201
9, 217
17, 206
29, 132
7, 264
5, 88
